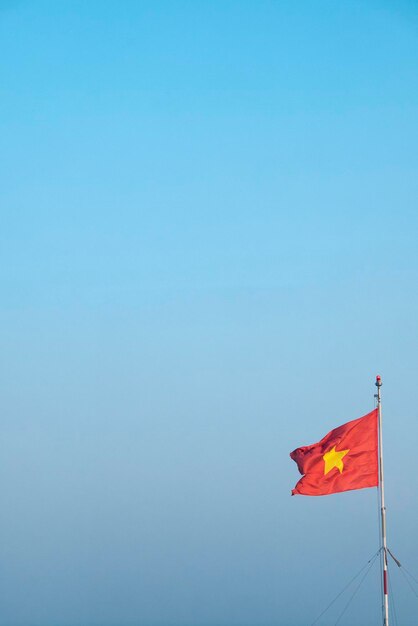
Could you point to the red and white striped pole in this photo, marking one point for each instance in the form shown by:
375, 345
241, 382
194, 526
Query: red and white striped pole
382, 508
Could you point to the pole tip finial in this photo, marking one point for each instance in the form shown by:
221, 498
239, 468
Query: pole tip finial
378, 381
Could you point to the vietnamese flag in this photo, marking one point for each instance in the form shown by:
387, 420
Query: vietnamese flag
345, 459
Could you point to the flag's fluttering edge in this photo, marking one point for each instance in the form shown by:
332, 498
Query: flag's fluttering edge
346, 458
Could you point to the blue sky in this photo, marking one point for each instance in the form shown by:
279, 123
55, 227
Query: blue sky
208, 229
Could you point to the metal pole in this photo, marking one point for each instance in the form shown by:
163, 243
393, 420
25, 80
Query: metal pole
382, 508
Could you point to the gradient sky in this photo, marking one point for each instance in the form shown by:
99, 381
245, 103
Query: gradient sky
208, 250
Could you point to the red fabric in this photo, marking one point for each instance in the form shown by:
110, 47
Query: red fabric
359, 464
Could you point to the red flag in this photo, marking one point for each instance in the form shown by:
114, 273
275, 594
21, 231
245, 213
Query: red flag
346, 458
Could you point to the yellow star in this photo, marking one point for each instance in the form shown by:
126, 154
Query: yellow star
333, 459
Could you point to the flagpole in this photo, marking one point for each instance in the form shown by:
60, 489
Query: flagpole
382, 507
